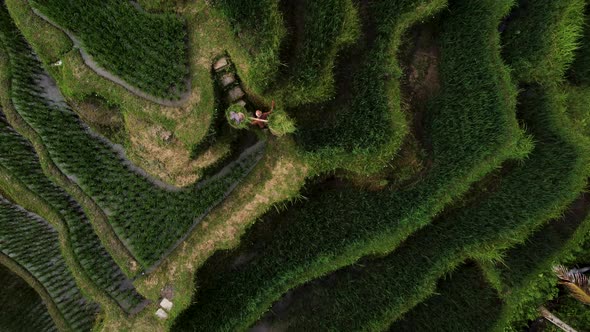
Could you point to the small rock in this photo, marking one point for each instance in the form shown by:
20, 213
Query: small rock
227, 79
235, 94
166, 304
241, 102
220, 64
165, 135
161, 314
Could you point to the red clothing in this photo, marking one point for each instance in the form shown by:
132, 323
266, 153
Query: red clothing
263, 116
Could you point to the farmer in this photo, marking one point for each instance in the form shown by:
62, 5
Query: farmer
262, 118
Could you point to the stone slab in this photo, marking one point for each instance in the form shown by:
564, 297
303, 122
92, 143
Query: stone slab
227, 79
220, 64
166, 304
235, 94
161, 314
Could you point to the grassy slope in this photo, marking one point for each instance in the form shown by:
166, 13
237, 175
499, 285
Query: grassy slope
545, 104
32, 244
580, 69
553, 30
464, 302
525, 272
23, 178
259, 29
541, 38
522, 276
22, 305
364, 129
116, 35
141, 217
380, 290
208, 33
306, 247
324, 30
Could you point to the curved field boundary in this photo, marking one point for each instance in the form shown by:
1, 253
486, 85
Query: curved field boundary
309, 241
89, 61
528, 196
259, 28
525, 273
97, 217
138, 211
363, 128
52, 309
541, 52
22, 305
318, 31
380, 291
102, 283
22, 177
248, 161
33, 244
464, 301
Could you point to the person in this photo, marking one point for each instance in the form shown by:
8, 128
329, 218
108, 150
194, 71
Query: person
262, 118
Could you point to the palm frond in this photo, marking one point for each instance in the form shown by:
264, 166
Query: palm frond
576, 282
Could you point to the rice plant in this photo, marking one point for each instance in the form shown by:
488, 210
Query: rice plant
32, 243
146, 50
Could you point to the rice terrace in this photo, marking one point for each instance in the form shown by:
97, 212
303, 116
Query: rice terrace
294, 165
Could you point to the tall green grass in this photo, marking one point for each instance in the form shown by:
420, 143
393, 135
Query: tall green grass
18, 159
580, 69
22, 306
525, 272
146, 50
364, 127
541, 37
322, 29
578, 99
32, 243
526, 197
464, 302
259, 28
473, 128
149, 219
379, 291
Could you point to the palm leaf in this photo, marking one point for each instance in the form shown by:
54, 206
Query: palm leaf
576, 282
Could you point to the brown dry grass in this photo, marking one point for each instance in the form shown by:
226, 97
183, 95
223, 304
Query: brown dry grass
277, 178
158, 151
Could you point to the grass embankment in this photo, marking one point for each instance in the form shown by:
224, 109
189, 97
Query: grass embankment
364, 127
259, 28
22, 178
473, 128
580, 70
22, 305
464, 302
319, 31
33, 244
540, 39
380, 290
526, 197
140, 212
552, 29
525, 273
158, 139
146, 50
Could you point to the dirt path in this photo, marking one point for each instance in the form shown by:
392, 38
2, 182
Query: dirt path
89, 61
244, 160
